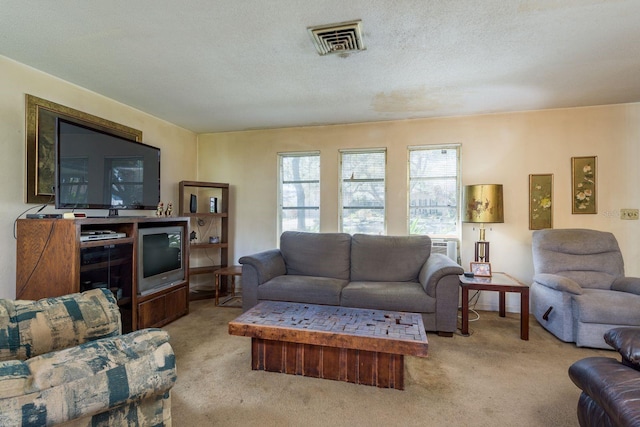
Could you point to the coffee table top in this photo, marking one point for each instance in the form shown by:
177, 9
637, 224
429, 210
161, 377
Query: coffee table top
334, 326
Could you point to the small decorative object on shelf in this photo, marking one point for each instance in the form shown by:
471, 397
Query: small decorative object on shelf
481, 269
169, 211
214, 239
160, 209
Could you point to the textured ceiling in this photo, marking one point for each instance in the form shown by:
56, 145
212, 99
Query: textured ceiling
224, 65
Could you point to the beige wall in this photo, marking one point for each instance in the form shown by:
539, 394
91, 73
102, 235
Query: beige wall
500, 148
178, 146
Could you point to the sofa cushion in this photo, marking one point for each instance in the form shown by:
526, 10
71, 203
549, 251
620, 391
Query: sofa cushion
393, 296
589, 257
305, 289
607, 307
316, 254
388, 258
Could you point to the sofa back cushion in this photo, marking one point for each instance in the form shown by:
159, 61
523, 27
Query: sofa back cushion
591, 258
32, 328
388, 258
316, 254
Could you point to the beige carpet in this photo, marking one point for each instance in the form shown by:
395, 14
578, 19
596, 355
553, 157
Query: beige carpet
491, 378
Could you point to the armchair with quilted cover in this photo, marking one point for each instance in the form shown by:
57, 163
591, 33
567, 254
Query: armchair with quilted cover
579, 289
64, 360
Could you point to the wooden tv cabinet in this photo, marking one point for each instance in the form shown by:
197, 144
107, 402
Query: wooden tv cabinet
52, 261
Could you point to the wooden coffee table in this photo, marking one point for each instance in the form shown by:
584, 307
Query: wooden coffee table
346, 344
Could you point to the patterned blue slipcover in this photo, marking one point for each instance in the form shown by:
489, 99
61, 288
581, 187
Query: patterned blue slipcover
63, 360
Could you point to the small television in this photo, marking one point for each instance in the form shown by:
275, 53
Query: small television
99, 170
160, 258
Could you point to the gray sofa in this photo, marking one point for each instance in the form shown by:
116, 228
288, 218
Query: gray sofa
396, 273
579, 289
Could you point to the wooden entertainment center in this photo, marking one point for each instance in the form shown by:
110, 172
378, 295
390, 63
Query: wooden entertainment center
53, 260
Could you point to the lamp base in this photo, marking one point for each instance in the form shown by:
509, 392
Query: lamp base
482, 252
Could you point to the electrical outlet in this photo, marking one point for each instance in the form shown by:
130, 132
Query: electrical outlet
629, 214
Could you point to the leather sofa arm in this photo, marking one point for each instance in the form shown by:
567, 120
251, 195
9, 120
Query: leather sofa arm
613, 386
434, 269
557, 282
110, 372
627, 284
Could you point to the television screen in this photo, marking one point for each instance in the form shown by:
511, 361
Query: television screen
160, 261
98, 170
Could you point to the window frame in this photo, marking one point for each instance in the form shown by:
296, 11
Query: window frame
341, 206
458, 148
289, 154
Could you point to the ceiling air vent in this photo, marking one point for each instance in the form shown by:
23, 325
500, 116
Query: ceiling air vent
345, 37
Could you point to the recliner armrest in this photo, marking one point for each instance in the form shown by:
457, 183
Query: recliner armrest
267, 264
627, 284
613, 386
559, 283
626, 341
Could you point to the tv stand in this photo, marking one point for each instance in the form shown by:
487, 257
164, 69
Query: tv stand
54, 260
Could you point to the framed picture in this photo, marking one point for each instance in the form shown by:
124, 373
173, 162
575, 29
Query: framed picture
481, 269
41, 116
583, 185
540, 201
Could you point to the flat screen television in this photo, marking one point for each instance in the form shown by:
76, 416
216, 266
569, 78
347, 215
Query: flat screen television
160, 258
99, 170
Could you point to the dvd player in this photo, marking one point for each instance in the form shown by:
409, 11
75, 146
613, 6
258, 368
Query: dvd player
102, 236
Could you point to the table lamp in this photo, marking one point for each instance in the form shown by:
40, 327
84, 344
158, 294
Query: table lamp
482, 204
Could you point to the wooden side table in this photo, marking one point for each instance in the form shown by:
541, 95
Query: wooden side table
233, 271
502, 283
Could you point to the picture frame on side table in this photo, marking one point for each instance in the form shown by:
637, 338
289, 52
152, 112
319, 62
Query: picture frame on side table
583, 185
540, 201
41, 117
481, 269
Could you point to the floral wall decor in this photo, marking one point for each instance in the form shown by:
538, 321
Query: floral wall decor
583, 184
540, 201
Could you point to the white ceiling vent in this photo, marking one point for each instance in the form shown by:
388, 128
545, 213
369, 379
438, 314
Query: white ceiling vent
344, 37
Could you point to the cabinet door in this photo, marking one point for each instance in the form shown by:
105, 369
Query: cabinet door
162, 309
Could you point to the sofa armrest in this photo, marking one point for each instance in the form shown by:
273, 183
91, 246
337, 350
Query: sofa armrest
434, 269
439, 278
31, 328
626, 341
258, 269
15, 378
557, 282
613, 386
627, 284
93, 378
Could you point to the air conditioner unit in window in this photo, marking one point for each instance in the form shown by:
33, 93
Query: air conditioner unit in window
445, 247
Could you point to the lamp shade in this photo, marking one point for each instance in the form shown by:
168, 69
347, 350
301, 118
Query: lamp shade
483, 203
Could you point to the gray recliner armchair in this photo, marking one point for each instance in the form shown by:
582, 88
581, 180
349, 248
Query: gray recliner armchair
579, 289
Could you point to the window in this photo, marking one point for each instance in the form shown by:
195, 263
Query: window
363, 191
299, 192
125, 177
433, 191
